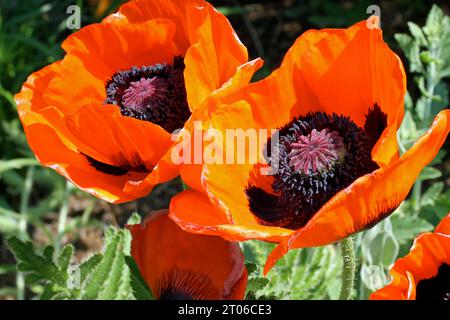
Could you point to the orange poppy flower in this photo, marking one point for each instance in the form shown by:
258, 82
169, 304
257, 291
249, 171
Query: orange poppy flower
338, 101
424, 273
180, 265
104, 114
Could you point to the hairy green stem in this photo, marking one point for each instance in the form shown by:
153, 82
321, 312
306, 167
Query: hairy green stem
23, 235
349, 268
431, 82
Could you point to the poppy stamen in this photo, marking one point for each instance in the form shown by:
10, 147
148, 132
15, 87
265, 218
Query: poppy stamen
317, 151
141, 93
319, 155
153, 93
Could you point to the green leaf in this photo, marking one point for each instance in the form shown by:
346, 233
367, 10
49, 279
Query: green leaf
256, 283
432, 194
135, 218
417, 33
65, 257
38, 267
251, 268
407, 227
411, 50
140, 288
429, 173
89, 265
111, 273
408, 132
7, 268
379, 245
102, 276
301, 274
41, 267
373, 276
6, 165
433, 25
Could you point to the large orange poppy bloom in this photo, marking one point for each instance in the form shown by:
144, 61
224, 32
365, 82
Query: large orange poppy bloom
180, 265
338, 101
103, 115
424, 273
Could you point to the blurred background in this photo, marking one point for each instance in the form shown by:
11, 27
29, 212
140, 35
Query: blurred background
37, 204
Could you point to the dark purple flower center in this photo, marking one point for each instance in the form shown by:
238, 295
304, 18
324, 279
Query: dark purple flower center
318, 155
153, 93
437, 287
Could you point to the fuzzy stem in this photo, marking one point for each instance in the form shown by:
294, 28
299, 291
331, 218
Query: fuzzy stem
349, 268
431, 81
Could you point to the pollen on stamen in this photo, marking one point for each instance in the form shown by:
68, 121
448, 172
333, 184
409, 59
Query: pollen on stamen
315, 152
142, 93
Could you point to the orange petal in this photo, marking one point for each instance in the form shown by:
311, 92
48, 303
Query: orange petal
370, 198
214, 55
315, 76
211, 47
75, 167
121, 140
225, 185
196, 266
193, 212
80, 78
429, 251
444, 226
108, 48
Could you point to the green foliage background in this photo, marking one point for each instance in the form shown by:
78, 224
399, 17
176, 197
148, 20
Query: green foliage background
67, 244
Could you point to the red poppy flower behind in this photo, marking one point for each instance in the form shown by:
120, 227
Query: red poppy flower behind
178, 265
338, 102
103, 115
424, 273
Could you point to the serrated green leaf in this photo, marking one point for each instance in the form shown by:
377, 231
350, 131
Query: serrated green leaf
140, 288
39, 267
251, 267
118, 273
89, 265
100, 274
301, 274
256, 284
65, 257
110, 279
